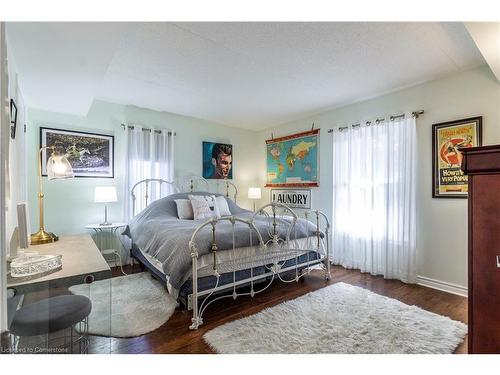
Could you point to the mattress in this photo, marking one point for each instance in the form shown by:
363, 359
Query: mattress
205, 262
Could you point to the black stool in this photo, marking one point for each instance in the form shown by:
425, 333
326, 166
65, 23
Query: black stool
57, 316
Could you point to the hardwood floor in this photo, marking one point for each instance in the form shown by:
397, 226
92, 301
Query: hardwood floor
175, 337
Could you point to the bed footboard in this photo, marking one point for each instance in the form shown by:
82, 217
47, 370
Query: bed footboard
286, 256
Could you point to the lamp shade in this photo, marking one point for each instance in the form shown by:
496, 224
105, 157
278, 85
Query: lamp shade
105, 194
254, 193
58, 167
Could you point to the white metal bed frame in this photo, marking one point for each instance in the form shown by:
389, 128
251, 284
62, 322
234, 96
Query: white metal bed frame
282, 247
192, 183
149, 182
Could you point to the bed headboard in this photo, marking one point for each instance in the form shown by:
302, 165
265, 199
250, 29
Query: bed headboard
148, 190
230, 190
196, 183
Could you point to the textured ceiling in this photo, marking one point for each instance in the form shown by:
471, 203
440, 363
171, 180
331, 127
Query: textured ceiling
250, 75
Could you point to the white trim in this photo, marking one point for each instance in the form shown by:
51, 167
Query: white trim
443, 286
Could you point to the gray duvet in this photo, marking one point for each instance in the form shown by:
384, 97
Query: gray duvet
160, 233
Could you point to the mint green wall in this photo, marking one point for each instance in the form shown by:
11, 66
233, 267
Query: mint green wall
69, 203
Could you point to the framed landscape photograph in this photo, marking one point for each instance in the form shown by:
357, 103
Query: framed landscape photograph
90, 154
448, 180
293, 161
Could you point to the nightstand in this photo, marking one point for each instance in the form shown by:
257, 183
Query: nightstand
103, 242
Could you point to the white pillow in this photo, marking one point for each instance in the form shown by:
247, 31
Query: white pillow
223, 206
204, 206
184, 209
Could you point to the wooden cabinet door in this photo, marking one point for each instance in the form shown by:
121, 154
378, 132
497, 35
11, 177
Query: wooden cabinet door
484, 274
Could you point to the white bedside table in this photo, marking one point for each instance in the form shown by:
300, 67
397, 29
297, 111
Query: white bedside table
104, 248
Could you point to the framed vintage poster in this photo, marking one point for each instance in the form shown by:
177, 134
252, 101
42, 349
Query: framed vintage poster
294, 198
90, 154
293, 161
217, 161
448, 180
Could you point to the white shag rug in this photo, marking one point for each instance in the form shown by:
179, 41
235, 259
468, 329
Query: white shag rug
138, 304
340, 318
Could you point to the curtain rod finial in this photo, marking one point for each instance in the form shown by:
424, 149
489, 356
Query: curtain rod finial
417, 113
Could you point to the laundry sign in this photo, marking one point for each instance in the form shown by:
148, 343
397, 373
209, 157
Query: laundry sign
296, 198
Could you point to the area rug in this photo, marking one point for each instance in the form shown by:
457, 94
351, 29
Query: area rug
340, 318
127, 306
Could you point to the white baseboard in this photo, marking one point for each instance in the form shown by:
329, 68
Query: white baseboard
443, 286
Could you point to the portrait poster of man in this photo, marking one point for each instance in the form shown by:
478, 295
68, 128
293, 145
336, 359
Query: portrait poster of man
217, 161
448, 139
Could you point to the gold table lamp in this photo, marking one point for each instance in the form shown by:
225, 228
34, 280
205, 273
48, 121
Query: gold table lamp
58, 167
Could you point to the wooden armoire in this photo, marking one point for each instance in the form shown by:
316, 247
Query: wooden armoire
482, 165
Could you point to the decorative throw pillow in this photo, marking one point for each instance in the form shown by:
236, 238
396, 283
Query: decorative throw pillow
223, 206
184, 209
204, 206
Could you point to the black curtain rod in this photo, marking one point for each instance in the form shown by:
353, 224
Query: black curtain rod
392, 118
147, 130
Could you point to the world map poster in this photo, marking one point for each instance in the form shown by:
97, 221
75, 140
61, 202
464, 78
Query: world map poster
292, 161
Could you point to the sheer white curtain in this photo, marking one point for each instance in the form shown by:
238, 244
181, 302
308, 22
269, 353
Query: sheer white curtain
150, 154
374, 184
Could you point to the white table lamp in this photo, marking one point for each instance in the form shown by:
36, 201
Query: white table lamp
105, 194
254, 193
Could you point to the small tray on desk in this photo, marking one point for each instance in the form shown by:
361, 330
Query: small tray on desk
32, 265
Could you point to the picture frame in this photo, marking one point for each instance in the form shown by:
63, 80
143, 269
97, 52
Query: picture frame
448, 180
13, 119
293, 160
217, 159
90, 154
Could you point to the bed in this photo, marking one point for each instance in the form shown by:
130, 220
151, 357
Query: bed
226, 257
